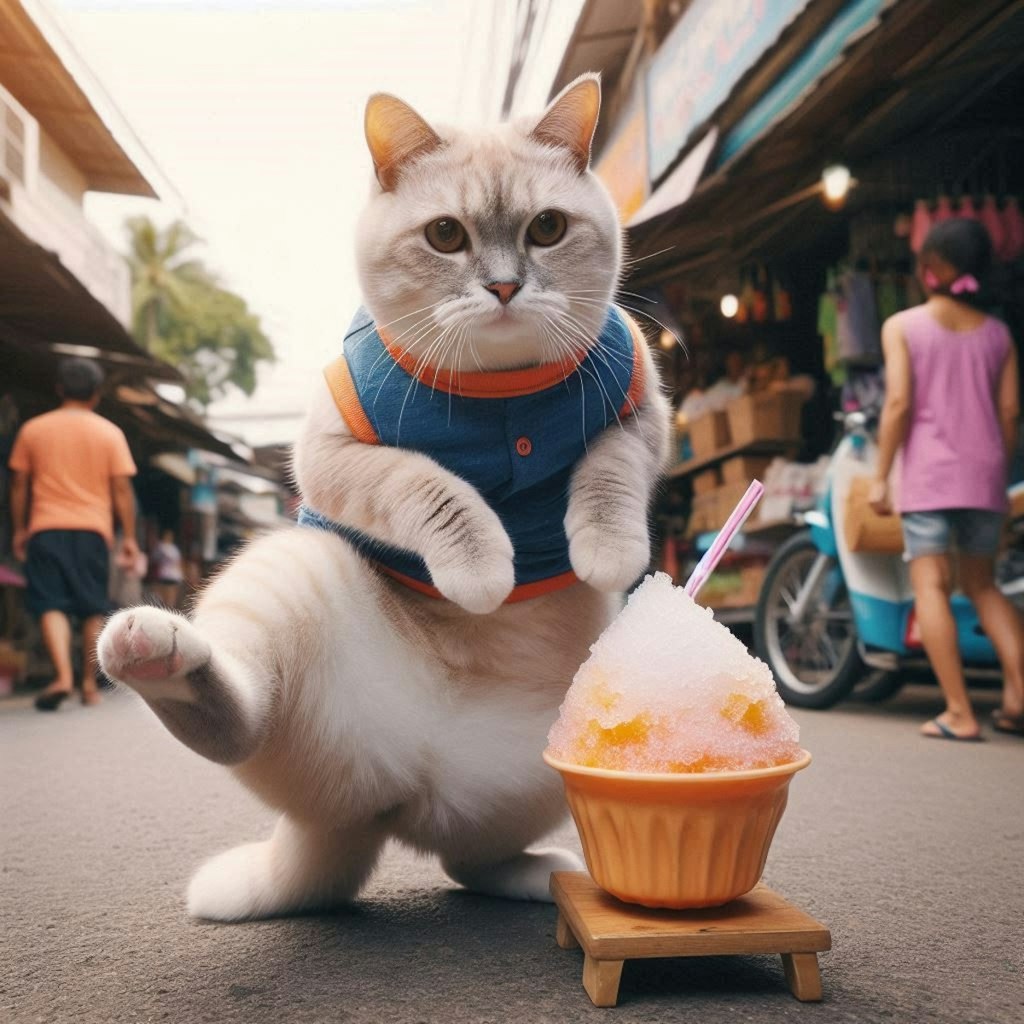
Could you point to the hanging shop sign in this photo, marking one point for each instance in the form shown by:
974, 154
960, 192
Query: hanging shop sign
623, 164
853, 22
712, 45
677, 188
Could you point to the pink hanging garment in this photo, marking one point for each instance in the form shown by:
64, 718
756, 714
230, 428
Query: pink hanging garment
943, 210
922, 222
967, 209
1013, 226
990, 216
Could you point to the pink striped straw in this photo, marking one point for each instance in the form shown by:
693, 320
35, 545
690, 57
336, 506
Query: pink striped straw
713, 555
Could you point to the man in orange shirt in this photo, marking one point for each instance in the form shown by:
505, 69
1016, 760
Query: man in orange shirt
78, 468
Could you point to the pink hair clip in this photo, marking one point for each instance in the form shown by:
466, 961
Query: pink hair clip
964, 283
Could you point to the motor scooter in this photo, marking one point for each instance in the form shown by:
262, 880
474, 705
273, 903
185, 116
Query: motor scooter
830, 620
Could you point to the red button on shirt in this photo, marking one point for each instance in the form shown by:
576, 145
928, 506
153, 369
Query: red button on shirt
524, 446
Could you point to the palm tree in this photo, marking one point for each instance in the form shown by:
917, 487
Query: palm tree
182, 314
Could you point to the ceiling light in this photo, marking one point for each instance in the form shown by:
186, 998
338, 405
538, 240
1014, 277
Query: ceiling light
835, 183
729, 306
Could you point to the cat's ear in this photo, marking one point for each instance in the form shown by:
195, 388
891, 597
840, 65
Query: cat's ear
395, 134
570, 120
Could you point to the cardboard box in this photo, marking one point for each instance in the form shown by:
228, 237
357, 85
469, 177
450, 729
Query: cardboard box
865, 530
733, 588
706, 482
743, 469
709, 434
703, 514
765, 416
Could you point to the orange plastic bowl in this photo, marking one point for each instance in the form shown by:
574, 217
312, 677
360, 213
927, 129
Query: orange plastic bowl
677, 840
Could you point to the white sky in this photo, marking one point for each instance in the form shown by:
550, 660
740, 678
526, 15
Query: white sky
254, 112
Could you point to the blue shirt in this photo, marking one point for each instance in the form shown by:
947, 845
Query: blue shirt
514, 435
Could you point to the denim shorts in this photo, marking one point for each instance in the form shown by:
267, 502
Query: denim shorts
972, 531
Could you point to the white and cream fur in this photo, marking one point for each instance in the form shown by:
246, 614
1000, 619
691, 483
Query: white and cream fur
357, 708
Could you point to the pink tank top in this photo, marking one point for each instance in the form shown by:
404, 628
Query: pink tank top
953, 456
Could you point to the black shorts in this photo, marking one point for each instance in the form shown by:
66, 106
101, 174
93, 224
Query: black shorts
68, 571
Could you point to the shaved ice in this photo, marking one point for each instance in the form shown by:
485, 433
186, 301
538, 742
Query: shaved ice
668, 689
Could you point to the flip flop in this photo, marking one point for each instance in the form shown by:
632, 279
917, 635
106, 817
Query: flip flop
1012, 724
945, 733
52, 700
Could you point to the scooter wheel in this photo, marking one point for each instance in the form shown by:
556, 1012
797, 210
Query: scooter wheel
814, 659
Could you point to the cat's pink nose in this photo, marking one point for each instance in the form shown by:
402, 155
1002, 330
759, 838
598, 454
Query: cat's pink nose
503, 290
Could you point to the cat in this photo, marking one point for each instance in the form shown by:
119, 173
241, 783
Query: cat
358, 707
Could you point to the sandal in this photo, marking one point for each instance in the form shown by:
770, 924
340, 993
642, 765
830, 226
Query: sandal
50, 700
1002, 721
943, 732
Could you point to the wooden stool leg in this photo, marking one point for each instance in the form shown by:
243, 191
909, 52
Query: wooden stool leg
803, 976
563, 934
601, 980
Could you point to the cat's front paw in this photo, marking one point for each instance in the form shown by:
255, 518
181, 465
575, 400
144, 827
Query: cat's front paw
608, 562
145, 646
475, 569
480, 586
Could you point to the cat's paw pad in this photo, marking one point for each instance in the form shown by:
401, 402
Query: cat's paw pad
150, 645
479, 587
234, 886
609, 563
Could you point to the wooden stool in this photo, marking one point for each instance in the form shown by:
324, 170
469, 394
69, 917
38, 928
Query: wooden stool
611, 931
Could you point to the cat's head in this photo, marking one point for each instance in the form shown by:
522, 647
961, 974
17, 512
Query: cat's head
488, 250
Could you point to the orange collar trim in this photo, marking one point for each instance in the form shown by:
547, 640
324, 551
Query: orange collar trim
499, 384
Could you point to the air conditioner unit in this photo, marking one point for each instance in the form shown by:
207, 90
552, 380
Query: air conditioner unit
19, 144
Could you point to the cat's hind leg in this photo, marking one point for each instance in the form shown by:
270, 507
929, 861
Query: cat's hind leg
297, 869
523, 876
204, 695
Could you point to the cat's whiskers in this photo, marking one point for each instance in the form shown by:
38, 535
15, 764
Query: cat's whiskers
438, 342
643, 313
394, 365
573, 329
606, 355
558, 345
385, 352
371, 327
650, 256
604, 291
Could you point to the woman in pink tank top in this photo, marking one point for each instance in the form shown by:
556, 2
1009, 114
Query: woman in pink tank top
951, 411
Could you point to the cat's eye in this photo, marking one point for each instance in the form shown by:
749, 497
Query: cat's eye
547, 227
446, 234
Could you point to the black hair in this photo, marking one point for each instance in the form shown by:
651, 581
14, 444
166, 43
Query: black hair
965, 245
79, 379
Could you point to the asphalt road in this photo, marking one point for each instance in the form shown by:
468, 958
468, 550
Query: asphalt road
911, 850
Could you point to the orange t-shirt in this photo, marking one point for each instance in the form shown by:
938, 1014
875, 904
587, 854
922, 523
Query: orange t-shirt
72, 456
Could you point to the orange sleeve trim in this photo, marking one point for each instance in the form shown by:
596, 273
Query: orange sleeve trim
635, 394
346, 398
523, 592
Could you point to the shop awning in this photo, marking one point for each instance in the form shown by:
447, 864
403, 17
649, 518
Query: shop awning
881, 74
40, 68
45, 308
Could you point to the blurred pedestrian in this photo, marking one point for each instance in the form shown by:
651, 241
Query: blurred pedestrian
952, 405
71, 474
168, 570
